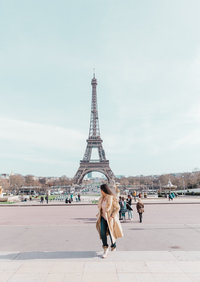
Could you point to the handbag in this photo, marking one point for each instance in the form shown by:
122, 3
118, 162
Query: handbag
129, 207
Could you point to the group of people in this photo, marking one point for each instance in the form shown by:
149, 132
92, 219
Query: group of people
46, 198
125, 207
171, 196
110, 208
71, 199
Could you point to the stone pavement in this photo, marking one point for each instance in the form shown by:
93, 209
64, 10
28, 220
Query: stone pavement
120, 266
61, 244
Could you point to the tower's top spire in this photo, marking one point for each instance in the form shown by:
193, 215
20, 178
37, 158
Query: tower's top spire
94, 80
94, 120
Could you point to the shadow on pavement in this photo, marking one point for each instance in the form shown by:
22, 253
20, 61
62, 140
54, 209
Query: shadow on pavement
48, 255
86, 219
160, 228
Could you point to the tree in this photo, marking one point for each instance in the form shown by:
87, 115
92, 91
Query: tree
164, 179
29, 180
16, 181
124, 181
64, 180
42, 180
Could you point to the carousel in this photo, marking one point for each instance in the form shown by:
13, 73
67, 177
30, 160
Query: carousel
169, 186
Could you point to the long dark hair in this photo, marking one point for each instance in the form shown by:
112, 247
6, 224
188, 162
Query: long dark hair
106, 189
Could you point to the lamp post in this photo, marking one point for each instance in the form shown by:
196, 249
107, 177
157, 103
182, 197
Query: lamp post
192, 179
183, 184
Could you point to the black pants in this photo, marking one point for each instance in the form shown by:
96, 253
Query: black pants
104, 229
140, 216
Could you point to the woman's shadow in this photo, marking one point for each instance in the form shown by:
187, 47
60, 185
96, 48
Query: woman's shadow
49, 255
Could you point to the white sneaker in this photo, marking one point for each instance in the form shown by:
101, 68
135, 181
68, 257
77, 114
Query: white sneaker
113, 249
105, 253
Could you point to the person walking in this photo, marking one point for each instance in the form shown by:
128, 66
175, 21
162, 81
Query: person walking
140, 209
120, 208
123, 209
41, 199
108, 219
129, 208
47, 199
170, 196
134, 195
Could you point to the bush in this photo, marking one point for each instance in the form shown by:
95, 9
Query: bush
94, 201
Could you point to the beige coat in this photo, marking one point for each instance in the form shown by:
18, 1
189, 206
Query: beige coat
140, 207
112, 216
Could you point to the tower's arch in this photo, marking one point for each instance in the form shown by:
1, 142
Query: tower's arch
89, 170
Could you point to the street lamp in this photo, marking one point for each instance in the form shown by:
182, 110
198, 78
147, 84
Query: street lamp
183, 184
160, 186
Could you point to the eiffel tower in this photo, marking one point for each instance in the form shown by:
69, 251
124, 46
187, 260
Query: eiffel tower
94, 141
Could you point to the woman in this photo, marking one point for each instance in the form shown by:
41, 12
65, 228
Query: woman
123, 208
120, 208
107, 219
140, 209
129, 208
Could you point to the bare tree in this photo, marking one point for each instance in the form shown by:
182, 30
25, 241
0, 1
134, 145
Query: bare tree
42, 180
16, 181
124, 181
164, 179
64, 180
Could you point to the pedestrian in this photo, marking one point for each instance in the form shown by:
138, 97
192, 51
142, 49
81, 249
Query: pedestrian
79, 197
47, 199
123, 208
41, 199
120, 206
129, 208
140, 209
134, 195
170, 196
107, 219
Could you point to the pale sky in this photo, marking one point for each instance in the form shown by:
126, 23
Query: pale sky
147, 60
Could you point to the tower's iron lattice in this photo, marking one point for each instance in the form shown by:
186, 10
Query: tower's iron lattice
94, 141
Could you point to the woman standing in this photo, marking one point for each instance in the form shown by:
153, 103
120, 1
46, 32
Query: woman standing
108, 219
140, 209
129, 208
120, 208
123, 208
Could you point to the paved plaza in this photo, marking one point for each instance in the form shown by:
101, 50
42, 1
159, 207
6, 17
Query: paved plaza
60, 243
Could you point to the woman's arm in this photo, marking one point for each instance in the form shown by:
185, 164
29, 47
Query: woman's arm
116, 208
99, 203
109, 200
